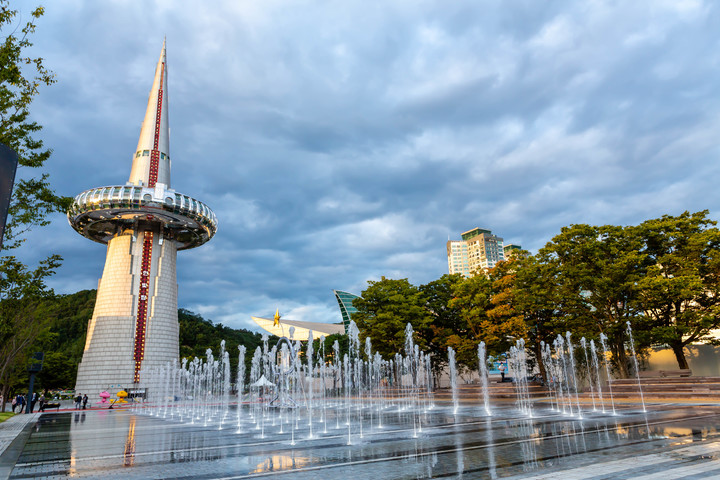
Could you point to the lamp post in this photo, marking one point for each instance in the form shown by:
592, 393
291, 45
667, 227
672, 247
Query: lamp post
33, 369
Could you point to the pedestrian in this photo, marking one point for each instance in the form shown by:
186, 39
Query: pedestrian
33, 401
502, 372
23, 402
14, 403
78, 400
85, 400
42, 402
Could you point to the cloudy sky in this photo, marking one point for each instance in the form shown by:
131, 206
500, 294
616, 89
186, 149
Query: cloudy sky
339, 141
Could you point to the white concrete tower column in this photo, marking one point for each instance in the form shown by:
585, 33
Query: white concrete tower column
144, 223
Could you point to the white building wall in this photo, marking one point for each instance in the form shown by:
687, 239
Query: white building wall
108, 361
163, 330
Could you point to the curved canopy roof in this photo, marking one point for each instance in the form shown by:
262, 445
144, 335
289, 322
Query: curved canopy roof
301, 328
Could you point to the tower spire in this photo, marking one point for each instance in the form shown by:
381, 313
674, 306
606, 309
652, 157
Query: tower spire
151, 161
144, 223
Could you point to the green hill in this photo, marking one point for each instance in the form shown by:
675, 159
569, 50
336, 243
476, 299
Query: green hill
64, 340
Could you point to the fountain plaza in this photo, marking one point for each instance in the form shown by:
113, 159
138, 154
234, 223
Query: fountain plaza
371, 418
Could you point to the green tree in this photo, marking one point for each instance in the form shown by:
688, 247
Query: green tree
598, 273
21, 317
446, 320
20, 80
535, 296
681, 291
32, 200
384, 310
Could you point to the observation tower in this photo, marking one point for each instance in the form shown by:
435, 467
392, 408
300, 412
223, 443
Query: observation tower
143, 223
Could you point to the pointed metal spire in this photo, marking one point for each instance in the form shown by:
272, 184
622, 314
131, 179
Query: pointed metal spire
151, 161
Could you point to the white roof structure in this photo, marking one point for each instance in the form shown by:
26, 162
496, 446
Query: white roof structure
302, 329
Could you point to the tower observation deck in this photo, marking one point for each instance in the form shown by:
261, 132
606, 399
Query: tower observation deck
143, 222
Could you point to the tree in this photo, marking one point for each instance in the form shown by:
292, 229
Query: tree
681, 291
21, 318
20, 80
446, 320
384, 310
473, 298
598, 273
535, 296
32, 199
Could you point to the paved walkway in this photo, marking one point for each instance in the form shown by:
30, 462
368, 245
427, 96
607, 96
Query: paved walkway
669, 442
11, 428
695, 462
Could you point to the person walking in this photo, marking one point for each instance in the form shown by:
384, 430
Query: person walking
502, 372
78, 400
14, 403
23, 402
33, 401
42, 403
85, 400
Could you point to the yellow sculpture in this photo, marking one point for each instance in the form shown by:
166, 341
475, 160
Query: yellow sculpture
276, 318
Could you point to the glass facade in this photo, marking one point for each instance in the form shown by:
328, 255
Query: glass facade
345, 300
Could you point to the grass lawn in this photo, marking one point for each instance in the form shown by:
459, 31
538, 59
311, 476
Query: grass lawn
5, 416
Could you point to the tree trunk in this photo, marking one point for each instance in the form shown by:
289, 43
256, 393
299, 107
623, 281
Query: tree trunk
679, 351
621, 359
3, 395
541, 366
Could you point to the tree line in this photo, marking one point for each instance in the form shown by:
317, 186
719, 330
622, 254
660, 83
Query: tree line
662, 276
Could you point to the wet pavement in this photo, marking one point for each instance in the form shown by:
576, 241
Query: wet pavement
669, 441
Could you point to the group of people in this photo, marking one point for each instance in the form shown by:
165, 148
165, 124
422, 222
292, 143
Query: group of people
19, 402
81, 399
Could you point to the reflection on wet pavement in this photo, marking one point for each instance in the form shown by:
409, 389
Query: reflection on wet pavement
107, 443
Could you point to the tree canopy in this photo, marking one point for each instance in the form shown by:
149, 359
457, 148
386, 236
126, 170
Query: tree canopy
662, 276
384, 310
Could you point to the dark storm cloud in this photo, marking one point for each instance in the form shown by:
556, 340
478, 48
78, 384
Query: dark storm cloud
342, 141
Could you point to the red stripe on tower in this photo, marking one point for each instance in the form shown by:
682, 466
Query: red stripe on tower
142, 310
155, 153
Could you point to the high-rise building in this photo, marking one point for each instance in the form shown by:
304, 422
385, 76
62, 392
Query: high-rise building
143, 223
478, 251
511, 249
457, 253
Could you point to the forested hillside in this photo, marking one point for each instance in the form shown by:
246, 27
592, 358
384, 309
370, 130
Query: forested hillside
64, 339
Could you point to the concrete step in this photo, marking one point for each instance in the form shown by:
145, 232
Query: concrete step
665, 380
506, 391
668, 388
674, 395
658, 388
